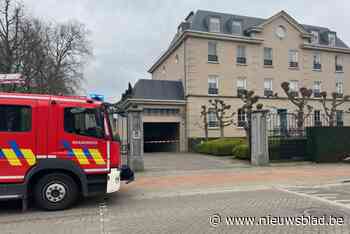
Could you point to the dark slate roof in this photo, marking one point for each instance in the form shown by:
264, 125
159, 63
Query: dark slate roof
158, 90
199, 22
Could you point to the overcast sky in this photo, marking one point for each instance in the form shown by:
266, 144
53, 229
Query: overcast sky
128, 35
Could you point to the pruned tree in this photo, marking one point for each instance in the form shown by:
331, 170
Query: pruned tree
331, 110
204, 116
220, 108
300, 102
249, 100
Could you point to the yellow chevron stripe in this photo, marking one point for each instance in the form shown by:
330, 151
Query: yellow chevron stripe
80, 156
29, 156
11, 157
95, 153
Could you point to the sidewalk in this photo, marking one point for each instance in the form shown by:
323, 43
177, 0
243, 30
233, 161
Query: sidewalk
275, 175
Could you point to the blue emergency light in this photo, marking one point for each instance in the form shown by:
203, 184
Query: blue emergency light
97, 97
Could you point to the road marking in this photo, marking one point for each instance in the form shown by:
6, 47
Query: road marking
334, 203
199, 192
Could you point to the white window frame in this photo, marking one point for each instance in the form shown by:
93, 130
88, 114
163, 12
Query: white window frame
317, 117
212, 118
268, 55
268, 84
294, 85
317, 58
213, 79
214, 24
241, 51
236, 24
244, 82
332, 37
338, 62
315, 37
339, 86
241, 117
317, 85
293, 57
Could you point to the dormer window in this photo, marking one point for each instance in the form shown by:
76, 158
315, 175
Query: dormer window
315, 37
331, 39
214, 24
237, 27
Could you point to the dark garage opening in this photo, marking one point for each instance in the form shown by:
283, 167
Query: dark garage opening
161, 137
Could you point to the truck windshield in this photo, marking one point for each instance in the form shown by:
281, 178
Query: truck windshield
84, 121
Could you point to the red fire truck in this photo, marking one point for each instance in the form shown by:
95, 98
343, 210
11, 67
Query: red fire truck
56, 148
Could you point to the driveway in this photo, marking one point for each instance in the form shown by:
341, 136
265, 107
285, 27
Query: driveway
180, 162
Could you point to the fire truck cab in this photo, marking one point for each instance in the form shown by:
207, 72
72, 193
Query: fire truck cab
56, 148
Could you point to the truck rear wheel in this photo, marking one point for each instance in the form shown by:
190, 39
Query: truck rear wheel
55, 191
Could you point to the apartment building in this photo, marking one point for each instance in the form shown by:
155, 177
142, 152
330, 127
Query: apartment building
216, 55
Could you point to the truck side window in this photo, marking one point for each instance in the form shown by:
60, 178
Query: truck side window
84, 121
15, 118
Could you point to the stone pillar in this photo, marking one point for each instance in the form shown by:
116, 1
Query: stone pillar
135, 139
259, 139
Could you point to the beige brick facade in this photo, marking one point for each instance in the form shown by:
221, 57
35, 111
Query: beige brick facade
188, 61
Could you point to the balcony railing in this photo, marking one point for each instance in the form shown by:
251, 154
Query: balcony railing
212, 58
317, 93
294, 93
293, 64
317, 66
241, 60
240, 92
267, 62
338, 68
213, 91
213, 124
268, 93
339, 95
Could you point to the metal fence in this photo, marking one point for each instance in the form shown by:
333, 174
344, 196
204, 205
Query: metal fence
287, 132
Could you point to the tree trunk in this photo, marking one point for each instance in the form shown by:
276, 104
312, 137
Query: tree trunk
221, 130
300, 123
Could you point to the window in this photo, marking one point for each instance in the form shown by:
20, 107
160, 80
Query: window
293, 59
338, 63
339, 118
241, 83
242, 118
214, 24
268, 84
241, 86
317, 61
331, 39
317, 89
212, 52
315, 37
268, 56
163, 70
241, 55
339, 86
15, 118
268, 88
213, 85
236, 27
83, 121
294, 85
212, 119
317, 118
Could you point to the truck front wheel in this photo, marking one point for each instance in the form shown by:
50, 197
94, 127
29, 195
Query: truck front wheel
55, 191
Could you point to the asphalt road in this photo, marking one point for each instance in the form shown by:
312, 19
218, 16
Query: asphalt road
186, 212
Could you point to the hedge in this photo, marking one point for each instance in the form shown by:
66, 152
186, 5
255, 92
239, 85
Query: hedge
328, 144
219, 147
241, 151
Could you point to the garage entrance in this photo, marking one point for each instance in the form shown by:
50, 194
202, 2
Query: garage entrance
161, 137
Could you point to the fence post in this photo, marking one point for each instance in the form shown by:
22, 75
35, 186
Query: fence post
135, 139
259, 139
